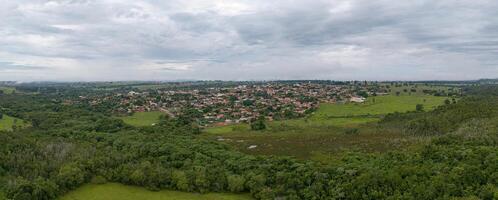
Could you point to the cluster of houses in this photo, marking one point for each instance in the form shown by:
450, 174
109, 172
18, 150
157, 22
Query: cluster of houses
235, 104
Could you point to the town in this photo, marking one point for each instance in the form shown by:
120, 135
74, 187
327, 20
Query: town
238, 103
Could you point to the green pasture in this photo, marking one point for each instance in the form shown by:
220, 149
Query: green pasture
7, 90
7, 122
419, 89
293, 124
142, 118
377, 105
115, 191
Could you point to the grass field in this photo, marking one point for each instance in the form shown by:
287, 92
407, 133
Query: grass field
7, 121
378, 105
7, 90
114, 191
325, 131
419, 89
142, 118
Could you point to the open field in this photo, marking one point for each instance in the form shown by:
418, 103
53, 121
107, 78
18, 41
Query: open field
7, 121
114, 191
142, 118
407, 90
7, 90
378, 105
327, 130
306, 144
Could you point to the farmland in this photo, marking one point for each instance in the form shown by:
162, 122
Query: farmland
114, 191
7, 122
326, 130
142, 118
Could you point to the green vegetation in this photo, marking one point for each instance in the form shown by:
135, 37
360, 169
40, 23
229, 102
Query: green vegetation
7, 90
69, 146
7, 122
350, 113
378, 105
142, 118
258, 125
328, 129
114, 191
403, 89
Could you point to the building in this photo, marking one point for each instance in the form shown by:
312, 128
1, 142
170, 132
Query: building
357, 99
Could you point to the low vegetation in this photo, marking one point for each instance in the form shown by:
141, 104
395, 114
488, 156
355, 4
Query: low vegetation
7, 90
113, 191
142, 118
9, 123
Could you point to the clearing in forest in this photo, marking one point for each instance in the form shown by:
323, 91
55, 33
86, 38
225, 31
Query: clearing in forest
7, 122
7, 90
142, 118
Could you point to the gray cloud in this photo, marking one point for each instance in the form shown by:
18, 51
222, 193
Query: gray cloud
9, 66
238, 40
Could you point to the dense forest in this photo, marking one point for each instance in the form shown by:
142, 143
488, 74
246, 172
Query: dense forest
67, 146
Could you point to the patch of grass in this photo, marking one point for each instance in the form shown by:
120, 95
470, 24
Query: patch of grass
7, 90
304, 143
377, 105
7, 122
417, 89
227, 129
316, 122
114, 191
142, 118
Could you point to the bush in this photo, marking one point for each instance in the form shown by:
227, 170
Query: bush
419, 107
99, 180
258, 125
351, 131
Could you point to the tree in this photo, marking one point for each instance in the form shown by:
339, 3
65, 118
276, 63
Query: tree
70, 176
258, 124
248, 102
1, 116
235, 183
180, 180
419, 107
362, 93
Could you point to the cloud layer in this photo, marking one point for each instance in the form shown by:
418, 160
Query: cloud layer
85, 40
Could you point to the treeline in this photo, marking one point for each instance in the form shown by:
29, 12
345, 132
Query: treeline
482, 103
69, 146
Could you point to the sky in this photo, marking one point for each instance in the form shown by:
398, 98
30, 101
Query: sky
161, 40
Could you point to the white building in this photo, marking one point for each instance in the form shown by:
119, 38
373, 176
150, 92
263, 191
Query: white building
357, 99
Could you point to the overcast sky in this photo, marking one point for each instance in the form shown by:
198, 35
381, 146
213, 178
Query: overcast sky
87, 40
